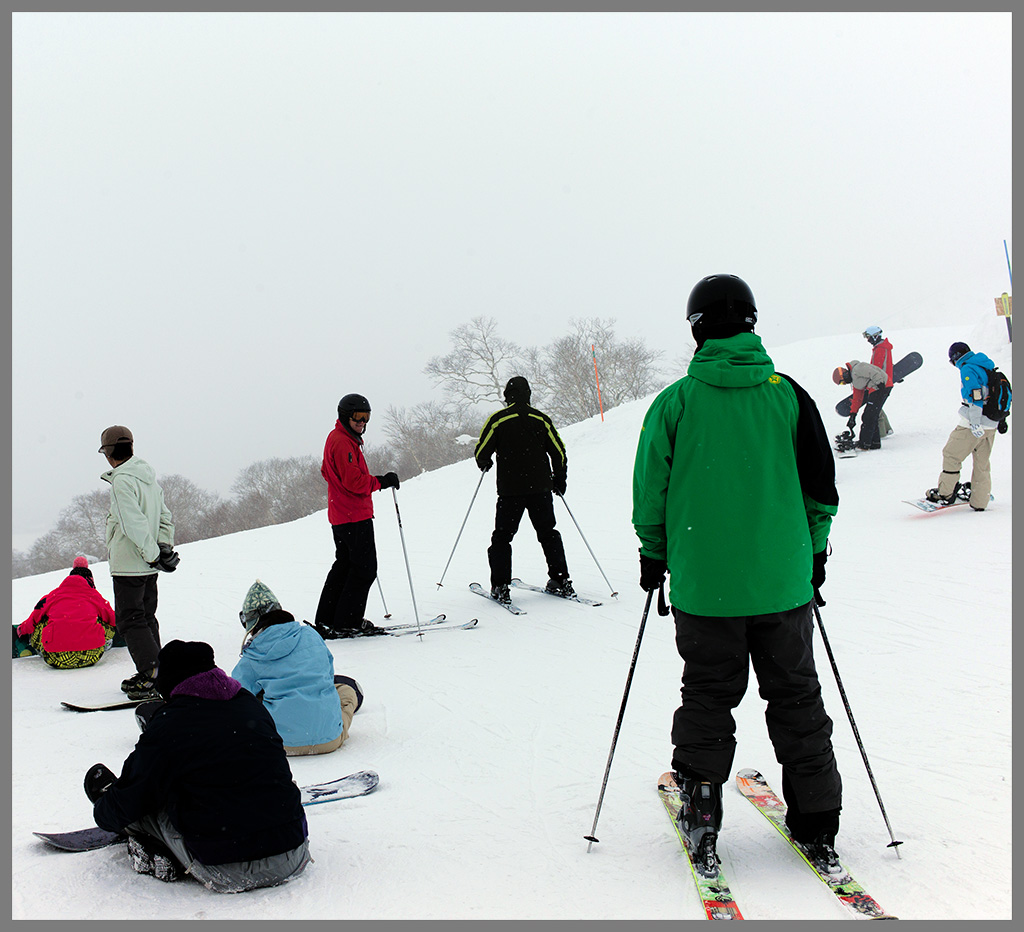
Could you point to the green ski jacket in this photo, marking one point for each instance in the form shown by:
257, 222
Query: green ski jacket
734, 484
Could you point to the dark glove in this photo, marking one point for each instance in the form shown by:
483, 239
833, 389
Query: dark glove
98, 779
168, 560
559, 486
818, 575
388, 481
485, 465
652, 573
852, 422
1003, 426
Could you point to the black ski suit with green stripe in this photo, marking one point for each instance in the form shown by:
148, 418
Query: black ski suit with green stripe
532, 463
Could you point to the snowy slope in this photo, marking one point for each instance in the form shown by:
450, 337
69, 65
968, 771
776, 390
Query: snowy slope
491, 743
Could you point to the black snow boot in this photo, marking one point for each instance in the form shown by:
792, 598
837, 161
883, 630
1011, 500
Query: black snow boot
700, 819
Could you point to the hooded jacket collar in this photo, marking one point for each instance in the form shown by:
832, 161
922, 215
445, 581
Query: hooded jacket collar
738, 361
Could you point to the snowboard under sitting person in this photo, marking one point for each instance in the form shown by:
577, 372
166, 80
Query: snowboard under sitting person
72, 626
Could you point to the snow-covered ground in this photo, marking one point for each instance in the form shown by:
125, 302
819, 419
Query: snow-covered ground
491, 743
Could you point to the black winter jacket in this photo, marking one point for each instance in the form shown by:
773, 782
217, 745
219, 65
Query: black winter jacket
212, 759
531, 456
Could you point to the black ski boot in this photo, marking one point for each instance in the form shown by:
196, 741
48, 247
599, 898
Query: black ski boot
501, 594
700, 819
560, 585
821, 852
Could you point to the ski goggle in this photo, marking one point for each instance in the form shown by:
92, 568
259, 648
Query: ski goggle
360, 417
250, 618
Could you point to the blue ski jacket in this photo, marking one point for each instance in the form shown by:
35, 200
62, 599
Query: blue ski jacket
290, 668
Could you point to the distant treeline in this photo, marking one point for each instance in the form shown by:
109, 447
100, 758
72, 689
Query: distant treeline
419, 439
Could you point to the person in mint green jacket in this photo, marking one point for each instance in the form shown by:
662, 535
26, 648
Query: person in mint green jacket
733, 496
140, 543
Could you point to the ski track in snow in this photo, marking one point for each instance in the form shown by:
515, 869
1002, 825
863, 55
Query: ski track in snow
491, 744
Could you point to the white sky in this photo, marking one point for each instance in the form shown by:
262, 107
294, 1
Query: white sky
222, 222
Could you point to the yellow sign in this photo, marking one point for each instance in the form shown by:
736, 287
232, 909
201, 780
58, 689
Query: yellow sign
1004, 305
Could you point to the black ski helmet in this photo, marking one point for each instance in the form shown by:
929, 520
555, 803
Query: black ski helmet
350, 404
721, 299
956, 351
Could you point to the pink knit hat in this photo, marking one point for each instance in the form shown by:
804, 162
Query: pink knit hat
80, 561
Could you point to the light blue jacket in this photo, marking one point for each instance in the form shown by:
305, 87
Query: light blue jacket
293, 669
974, 369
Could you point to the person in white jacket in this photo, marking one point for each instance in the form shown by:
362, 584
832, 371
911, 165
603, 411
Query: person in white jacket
140, 544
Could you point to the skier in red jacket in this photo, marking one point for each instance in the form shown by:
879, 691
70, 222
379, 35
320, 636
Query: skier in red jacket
350, 512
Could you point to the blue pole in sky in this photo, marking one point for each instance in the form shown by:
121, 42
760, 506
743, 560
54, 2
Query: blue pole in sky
1010, 270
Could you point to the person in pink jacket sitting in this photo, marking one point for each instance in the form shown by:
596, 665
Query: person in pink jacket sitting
73, 625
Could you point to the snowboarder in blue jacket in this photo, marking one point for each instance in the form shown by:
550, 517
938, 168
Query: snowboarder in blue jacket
973, 436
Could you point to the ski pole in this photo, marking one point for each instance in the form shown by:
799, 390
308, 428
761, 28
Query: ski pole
618, 724
408, 571
461, 529
387, 614
578, 528
860, 744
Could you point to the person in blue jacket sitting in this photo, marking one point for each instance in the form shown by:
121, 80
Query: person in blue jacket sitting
973, 436
287, 665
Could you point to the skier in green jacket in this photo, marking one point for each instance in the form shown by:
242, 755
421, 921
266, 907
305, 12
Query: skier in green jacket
733, 496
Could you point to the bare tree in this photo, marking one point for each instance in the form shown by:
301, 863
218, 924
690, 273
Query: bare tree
277, 490
426, 436
562, 373
479, 364
196, 513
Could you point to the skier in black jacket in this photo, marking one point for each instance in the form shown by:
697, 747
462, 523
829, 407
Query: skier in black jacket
532, 464
208, 789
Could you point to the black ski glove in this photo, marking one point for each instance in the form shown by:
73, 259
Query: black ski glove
1003, 426
98, 779
559, 486
818, 575
852, 422
652, 573
388, 481
168, 560
485, 465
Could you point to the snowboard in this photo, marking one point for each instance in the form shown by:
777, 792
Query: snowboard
931, 507
900, 370
104, 706
89, 839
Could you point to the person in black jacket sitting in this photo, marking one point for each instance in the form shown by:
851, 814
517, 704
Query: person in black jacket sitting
532, 464
208, 789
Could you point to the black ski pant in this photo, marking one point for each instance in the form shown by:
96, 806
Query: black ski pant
135, 616
343, 599
869, 433
717, 654
508, 514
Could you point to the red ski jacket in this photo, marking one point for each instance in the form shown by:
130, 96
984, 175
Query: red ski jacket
349, 482
71, 615
881, 356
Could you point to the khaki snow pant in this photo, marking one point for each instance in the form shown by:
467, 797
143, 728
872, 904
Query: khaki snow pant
961, 444
348, 698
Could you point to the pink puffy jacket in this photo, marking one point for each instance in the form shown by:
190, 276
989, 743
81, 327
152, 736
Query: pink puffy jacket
70, 614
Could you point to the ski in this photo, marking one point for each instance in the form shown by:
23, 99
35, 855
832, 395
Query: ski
89, 839
104, 706
850, 893
714, 892
519, 584
436, 620
511, 607
472, 623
